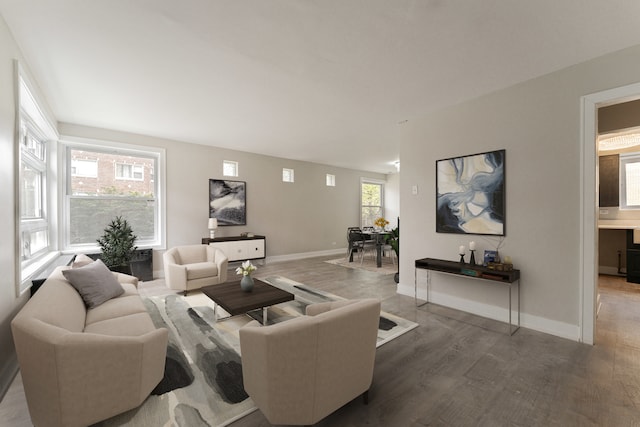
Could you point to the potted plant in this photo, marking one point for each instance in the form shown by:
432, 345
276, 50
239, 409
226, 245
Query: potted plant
118, 245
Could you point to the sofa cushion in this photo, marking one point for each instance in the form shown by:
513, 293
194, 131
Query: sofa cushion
199, 270
95, 283
115, 307
132, 325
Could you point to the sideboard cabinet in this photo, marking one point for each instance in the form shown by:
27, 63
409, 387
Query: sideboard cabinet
239, 248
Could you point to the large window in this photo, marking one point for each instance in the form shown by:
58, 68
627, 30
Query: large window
35, 136
116, 180
371, 201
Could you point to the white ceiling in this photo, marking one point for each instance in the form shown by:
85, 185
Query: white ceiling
327, 81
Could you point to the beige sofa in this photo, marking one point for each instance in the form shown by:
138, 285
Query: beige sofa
80, 366
194, 266
299, 371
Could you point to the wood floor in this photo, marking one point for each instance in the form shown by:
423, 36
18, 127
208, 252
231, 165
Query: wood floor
457, 369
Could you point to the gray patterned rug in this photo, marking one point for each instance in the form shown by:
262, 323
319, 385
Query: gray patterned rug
203, 375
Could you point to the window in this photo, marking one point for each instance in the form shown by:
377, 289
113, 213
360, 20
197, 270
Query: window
371, 201
229, 168
130, 172
35, 134
331, 180
124, 183
630, 181
88, 168
287, 175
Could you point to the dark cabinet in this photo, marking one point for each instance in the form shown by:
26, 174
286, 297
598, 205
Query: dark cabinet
633, 259
609, 179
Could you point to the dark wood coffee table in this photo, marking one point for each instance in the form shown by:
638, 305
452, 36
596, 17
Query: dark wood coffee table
236, 301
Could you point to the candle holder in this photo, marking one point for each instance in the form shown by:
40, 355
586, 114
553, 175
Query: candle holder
472, 260
461, 258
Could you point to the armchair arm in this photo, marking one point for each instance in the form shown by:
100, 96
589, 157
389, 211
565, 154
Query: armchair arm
218, 257
323, 307
176, 276
274, 359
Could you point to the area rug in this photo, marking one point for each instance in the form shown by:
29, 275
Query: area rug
203, 375
368, 264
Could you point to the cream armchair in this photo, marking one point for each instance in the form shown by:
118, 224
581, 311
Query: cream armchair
194, 266
299, 371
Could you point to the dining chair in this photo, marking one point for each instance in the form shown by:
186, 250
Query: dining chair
355, 242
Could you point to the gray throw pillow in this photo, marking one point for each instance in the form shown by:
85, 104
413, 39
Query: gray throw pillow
94, 282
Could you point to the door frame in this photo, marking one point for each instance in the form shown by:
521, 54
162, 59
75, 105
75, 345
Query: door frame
589, 105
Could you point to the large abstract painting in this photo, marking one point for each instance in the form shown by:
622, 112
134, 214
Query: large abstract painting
470, 195
227, 201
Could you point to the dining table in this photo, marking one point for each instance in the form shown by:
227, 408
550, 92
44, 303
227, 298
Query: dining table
379, 237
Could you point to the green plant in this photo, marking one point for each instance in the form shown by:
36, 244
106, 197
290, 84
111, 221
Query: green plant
394, 240
117, 243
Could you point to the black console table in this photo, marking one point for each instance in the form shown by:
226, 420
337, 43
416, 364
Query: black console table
509, 278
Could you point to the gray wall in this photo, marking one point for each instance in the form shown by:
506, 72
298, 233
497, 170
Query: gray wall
538, 123
300, 218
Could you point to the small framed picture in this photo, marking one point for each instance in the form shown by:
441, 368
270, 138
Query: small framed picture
490, 256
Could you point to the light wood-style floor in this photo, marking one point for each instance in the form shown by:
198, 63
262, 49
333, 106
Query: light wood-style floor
457, 369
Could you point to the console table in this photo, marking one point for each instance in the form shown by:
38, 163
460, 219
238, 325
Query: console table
239, 248
508, 278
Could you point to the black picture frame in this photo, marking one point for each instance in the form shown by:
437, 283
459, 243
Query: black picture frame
470, 194
228, 201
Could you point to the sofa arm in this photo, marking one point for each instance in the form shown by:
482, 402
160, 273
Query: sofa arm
98, 376
126, 278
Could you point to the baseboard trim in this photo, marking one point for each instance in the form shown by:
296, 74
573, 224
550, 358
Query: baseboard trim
611, 271
302, 255
536, 323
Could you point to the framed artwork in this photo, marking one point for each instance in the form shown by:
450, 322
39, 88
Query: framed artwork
228, 201
470, 194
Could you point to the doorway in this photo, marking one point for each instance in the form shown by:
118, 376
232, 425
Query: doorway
589, 218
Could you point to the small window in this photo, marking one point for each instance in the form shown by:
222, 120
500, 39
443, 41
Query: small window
331, 180
287, 175
128, 171
85, 168
229, 168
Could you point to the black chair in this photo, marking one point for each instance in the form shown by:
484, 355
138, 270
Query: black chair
360, 242
354, 239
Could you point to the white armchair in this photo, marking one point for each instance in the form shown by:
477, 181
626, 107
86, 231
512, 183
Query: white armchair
194, 266
299, 371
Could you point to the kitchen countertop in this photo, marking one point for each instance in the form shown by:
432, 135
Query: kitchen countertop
618, 224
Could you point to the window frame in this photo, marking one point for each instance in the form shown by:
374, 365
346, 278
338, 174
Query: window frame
330, 180
33, 120
69, 143
290, 172
232, 164
381, 184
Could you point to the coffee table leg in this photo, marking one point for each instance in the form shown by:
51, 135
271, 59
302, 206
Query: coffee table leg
264, 316
215, 312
